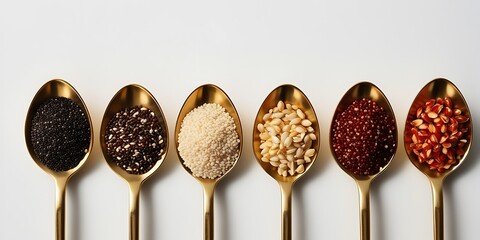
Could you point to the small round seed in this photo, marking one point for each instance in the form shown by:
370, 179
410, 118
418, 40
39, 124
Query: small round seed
310, 152
292, 116
265, 151
300, 161
300, 114
280, 105
278, 115
300, 129
276, 121
295, 121
291, 150
266, 116
306, 123
284, 136
300, 169
288, 141
299, 153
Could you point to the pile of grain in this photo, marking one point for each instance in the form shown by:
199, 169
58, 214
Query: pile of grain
208, 142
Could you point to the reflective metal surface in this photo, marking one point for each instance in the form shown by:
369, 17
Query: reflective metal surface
436, 88
130, 96
288, 94
51, 89
208, 93
359, 91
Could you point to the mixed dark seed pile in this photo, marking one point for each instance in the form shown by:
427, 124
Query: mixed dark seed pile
135, 139
60, 134
363, 137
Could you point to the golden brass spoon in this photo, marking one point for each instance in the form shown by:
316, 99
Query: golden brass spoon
51, 89
437, 88
359, 91
208, 93
131, 96
289, 94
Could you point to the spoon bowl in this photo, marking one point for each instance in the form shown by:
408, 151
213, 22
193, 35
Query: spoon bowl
437, 88
292, 95
51, 89
208, 93
130, 96
359, 91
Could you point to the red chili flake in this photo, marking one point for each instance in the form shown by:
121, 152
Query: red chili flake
363, 137
444, 134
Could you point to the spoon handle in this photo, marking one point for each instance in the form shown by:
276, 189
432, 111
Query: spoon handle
286, 189
208, 189
134, 209
61, 184
364, 196
437, 193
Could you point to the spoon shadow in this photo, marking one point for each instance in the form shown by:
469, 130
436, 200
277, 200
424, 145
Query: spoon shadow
222, 204
378, 213
148, 199
73, 200
300, 228
394, 169
147, 195
221, 199
148, 202
441, 87
451, 230
74, 217
300, 189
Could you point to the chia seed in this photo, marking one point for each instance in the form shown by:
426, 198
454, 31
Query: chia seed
135, 139
60, 134
363, 137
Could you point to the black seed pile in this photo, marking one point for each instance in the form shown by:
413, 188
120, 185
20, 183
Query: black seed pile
135, 139
60, 134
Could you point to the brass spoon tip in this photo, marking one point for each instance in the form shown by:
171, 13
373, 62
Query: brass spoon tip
129, 96
439, 87
293, 95
51, 89
208, 93
359, 91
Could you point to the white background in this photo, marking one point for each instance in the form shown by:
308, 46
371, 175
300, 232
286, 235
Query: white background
247, 48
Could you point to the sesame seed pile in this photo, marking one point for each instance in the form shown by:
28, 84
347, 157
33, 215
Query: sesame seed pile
60, 134
135, 139
286, 137
208, 142
363, 137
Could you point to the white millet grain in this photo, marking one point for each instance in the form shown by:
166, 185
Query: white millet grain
208, 142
